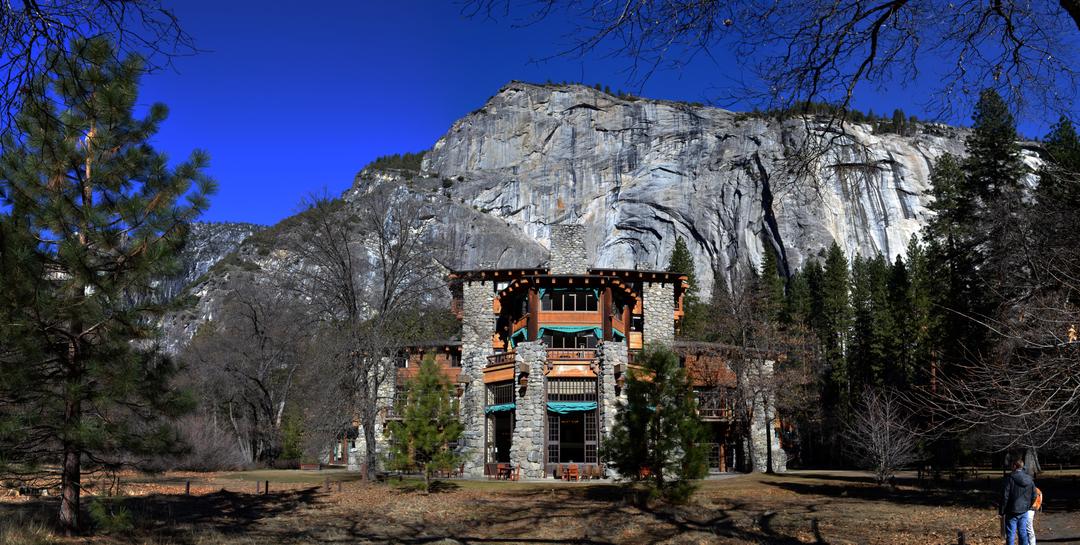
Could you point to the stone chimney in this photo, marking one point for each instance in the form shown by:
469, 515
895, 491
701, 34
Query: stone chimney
568, 250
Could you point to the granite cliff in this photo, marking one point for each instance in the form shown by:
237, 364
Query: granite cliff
637, 173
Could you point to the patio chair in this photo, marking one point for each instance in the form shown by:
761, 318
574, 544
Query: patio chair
516, 476
559, 474
572, 473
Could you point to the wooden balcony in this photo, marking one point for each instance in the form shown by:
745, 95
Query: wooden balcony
504, 358
571, 354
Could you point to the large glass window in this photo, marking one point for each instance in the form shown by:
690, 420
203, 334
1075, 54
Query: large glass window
577, 301
555, 339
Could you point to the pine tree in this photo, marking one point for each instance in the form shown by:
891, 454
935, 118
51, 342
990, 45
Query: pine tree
422, 437
834, 331
657, 427
1059, 178
797, 306
94, 216
682, 261
694, 312
772, 286
904, 340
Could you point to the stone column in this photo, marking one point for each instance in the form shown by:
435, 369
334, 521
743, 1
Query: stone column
611, 354
567, 244
764, 440
529, 439
477, 328
658, 313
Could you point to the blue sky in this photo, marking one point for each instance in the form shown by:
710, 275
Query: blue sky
289, 100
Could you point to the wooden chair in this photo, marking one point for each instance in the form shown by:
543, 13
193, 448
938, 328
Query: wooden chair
572, 473
559, 474
516, 475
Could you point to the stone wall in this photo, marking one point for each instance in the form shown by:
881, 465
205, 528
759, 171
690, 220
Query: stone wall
764, 447
658, 310
568, 250
477, 327
527, 448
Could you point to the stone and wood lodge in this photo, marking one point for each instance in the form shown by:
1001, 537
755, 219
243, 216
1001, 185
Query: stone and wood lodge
543, 356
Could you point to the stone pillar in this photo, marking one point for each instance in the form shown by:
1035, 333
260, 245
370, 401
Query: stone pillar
529, 440
611, 354
658, 313
764, 440
477, 328
567, 243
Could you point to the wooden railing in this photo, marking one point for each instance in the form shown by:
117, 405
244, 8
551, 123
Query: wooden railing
562, 354
501, 359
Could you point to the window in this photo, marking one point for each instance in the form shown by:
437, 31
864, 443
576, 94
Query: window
571, 389
574, 301
555, 339
636, 323
500, 392
455, 360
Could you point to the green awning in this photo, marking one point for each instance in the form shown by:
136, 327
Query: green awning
567, 407
501, 407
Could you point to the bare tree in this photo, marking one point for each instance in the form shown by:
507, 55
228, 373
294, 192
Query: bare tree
824, 50
881, 434
366, 264
31, 28
246, 363
774, 362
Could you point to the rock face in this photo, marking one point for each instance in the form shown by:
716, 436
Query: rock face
634, 174
207, 244
638, 173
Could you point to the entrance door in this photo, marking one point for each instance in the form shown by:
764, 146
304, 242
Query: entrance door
572, 434
504, 435
572, 438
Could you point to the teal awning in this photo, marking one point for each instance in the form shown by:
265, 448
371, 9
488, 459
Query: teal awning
618, 334
501, 407
570, 329
567, 407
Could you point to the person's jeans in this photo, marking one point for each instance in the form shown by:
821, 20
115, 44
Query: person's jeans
1031, 527
1016, 529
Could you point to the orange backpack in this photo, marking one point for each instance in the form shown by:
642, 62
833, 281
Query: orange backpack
1036, 504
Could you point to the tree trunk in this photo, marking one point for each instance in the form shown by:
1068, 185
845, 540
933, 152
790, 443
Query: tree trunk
370, 456
1031, 461
70, 477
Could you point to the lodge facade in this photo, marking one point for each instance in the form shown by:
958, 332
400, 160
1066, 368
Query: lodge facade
543, 358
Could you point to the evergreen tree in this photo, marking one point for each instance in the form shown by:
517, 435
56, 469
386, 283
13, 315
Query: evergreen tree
682, 262
1059, 178
692, 324
797, 306
91, 217
772, 286
834, 330
422, 437
904, 340
657, 427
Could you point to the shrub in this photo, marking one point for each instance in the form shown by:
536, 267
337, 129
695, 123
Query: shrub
110, 517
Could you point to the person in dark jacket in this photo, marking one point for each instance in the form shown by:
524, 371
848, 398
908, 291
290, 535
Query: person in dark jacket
1018, 494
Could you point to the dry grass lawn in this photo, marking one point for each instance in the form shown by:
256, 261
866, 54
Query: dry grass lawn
799, 507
